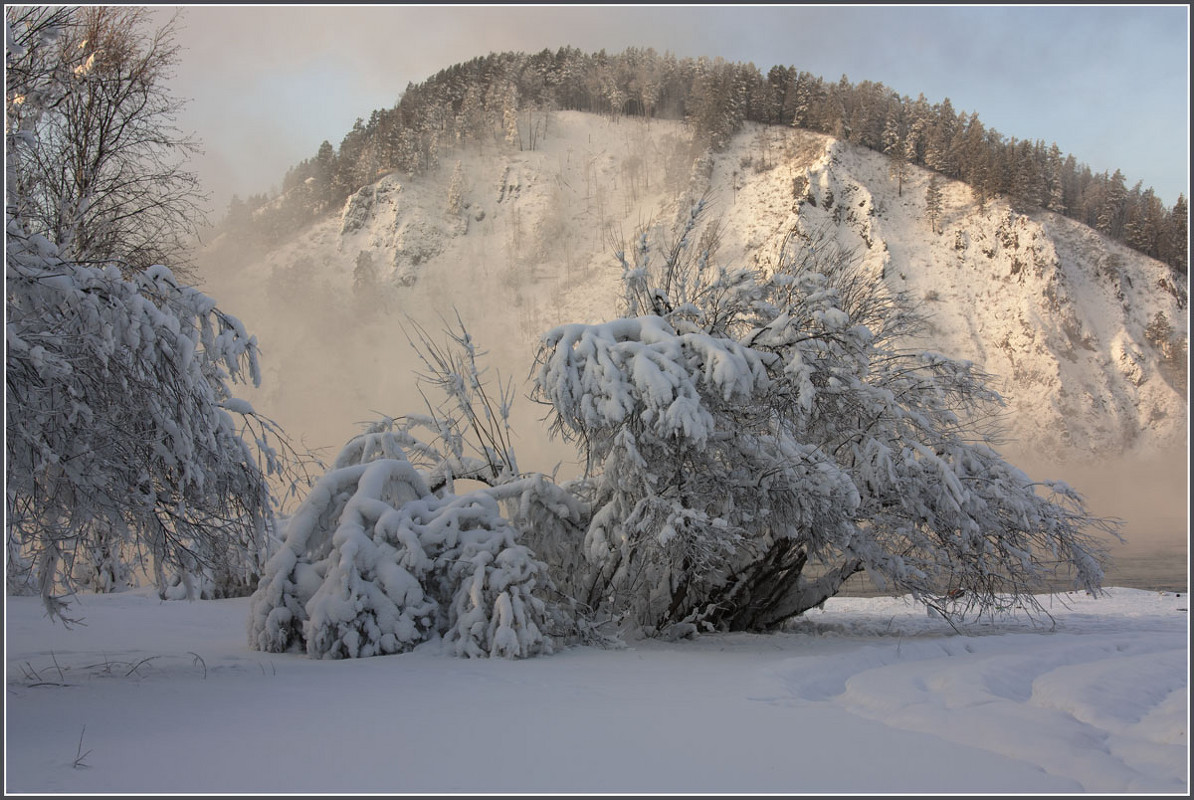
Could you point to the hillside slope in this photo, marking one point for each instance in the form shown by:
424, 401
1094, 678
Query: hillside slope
1059, 314
517, 242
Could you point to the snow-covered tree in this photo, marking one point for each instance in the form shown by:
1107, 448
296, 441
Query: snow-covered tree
105, 179
1175, 238
383, 555
754, 437
374, 563
896, 149
510, 131
122, 430
1111, 210
1056, 187
933, 203
124, 440
456, 191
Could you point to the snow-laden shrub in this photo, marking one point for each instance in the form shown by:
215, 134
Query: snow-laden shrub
754, 437
491, 580
373, 563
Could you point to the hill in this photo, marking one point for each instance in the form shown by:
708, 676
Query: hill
1086, 338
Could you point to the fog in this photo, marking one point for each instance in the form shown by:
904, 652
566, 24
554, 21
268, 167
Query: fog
334, 358
333, 361
1147, 491
328, 371
329, 368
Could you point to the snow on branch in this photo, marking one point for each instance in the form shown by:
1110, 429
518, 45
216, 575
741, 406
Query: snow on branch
756, 436
122, 431
374, 564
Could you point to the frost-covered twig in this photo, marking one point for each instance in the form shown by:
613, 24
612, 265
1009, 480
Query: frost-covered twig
80, 756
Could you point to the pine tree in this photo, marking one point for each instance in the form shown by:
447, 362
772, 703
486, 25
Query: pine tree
933, 203
896, 149
1177, 236
1112, 208
509, 110
1056, 187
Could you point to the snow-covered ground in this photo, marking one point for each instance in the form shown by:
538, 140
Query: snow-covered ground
867, 695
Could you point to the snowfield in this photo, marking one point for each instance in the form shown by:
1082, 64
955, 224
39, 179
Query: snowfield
866, 695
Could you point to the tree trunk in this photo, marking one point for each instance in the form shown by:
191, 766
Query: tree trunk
773, 589
749, 595
803, 595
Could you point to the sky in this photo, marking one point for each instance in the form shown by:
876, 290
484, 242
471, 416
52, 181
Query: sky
266, 85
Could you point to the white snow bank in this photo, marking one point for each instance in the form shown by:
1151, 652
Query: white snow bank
868, 695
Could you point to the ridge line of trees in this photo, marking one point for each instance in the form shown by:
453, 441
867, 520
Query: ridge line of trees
491, 100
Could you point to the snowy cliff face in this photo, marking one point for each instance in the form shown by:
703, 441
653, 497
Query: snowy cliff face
1085, 337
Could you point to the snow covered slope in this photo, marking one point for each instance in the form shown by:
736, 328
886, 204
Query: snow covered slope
1056, 312
517, 242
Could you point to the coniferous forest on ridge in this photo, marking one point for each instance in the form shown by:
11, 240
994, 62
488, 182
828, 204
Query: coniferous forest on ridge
484, 100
